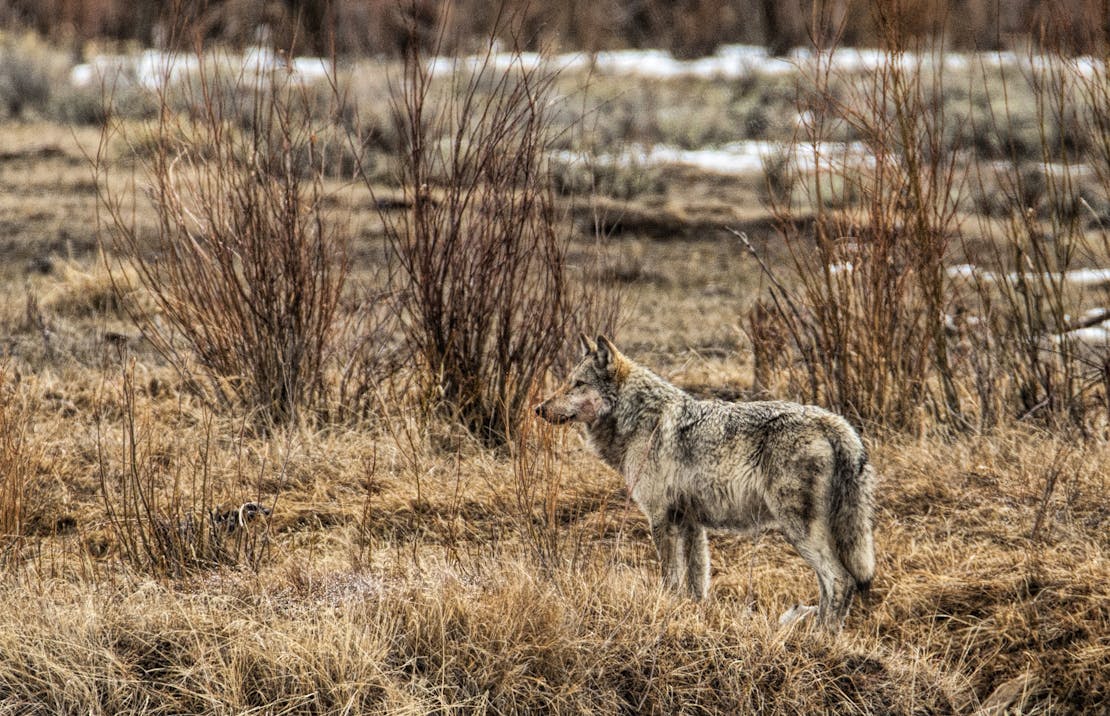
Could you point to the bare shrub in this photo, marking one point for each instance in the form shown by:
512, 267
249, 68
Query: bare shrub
1029, 299
779, 178
866, 296
617, 179
489, 300
245, 265
884, 329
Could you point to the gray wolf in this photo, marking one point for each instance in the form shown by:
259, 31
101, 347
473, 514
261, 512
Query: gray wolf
698, 465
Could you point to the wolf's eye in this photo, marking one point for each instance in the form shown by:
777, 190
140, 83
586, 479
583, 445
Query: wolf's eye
578, 384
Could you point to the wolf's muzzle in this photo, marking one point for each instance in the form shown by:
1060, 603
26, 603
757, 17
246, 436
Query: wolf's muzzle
541, 411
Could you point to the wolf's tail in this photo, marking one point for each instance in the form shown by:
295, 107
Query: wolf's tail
850, 510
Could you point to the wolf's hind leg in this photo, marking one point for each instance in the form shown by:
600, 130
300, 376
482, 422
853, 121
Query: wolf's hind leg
844, 588
668, 540
836, 585
697, 560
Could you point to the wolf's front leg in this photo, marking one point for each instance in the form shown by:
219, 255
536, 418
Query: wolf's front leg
697, 561
668, 543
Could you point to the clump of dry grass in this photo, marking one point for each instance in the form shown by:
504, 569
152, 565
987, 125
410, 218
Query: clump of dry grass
503, 642
161, 504
29, 71
995, 562
16, 458
88, 292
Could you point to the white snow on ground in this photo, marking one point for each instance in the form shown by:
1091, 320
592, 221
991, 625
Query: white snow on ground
1092, 335
735, 61
1078, 277
744, 157
1097, 335
152, 69
968, 271
311, 69
1088, 277
499, 62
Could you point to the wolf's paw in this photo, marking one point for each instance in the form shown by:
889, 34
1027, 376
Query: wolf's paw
796, 613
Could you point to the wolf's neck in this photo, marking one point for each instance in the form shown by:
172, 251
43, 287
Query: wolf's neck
638, 405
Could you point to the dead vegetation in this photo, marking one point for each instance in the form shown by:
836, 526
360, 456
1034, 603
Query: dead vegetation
409, 567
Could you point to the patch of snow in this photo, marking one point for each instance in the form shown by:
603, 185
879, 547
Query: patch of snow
103, 68
1092, 335
968, 271
152, 69
155, 68
82, 75
1079, 277
737, 61
730, 62
1093, 313
744, 157
500, 62
1088, 277
311, 69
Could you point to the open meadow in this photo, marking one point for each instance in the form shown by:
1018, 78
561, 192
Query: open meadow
254, 289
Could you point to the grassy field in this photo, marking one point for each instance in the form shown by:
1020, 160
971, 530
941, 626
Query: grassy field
408, 567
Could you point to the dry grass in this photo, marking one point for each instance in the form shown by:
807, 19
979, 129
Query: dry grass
404, 575
407, 568
503, 642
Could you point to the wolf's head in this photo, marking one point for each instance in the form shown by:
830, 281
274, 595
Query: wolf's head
590, 391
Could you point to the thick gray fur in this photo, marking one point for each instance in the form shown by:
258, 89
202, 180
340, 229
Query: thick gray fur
698, 465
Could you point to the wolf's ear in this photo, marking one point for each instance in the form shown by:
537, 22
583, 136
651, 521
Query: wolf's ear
588, 346
607, 354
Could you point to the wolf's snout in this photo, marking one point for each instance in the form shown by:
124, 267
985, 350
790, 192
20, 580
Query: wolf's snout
555, 417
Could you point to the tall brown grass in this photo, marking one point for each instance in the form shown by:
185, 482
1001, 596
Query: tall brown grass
409, 569
17, 459
505, 642
161, 504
